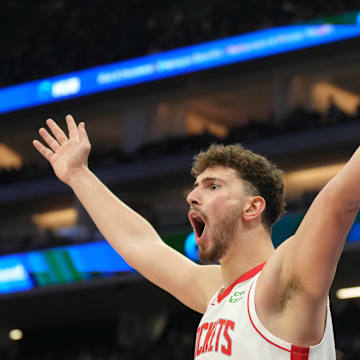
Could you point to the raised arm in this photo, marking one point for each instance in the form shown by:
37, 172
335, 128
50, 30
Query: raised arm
313, 252
293, 289
128, 233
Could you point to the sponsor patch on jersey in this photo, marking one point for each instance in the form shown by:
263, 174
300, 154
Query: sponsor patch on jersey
237, 296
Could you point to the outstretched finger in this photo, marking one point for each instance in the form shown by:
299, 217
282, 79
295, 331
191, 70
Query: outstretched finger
73, 130
43, 150
82, 133
56, 130
53, 144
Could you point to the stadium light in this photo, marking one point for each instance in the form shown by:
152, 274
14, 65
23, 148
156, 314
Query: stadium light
348, 293
15, 334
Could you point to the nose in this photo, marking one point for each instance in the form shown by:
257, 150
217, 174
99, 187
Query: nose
193, 197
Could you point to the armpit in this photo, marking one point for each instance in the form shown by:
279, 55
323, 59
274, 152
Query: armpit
288, 290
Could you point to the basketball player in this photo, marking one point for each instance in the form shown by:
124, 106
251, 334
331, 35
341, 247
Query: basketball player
259, 303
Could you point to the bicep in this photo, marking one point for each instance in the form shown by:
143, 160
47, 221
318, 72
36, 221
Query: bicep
191, 283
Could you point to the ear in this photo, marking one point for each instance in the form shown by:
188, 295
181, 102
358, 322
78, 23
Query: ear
253, 208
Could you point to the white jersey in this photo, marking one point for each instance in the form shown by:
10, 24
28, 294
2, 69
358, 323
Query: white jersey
231, 329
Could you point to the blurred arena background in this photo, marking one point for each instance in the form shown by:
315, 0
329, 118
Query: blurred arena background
63, 292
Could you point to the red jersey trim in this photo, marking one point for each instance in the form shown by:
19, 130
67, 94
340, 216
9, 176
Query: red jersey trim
296, 352
248, 275
299, 353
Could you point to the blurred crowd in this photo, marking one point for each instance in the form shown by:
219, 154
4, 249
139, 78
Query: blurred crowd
299, 119
45, 38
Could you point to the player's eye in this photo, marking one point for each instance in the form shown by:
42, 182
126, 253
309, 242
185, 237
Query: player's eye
214, 186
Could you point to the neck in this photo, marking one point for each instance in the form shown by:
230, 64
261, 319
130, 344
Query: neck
249, 249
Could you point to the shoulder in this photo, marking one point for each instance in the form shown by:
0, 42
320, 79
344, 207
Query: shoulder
279, 300
270, 285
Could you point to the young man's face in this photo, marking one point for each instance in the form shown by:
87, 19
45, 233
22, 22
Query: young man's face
215, 211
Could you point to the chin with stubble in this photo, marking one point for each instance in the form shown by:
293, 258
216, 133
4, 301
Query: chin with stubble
221, 235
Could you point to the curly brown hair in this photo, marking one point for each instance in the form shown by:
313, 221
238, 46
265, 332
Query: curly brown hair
261, 176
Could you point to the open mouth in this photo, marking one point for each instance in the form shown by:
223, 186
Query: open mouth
197, 223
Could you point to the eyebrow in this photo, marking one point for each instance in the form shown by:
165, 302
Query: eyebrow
207, 179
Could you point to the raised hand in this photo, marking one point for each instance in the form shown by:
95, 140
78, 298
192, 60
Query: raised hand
66, 154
